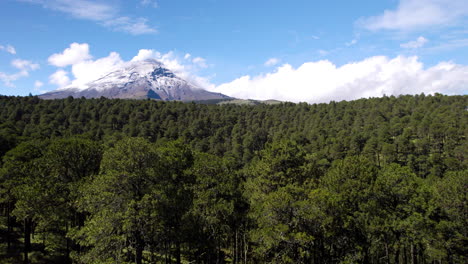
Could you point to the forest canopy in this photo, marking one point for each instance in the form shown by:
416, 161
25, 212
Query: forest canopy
380, 180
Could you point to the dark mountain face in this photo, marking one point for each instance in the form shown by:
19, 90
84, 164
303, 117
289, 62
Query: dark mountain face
139, 80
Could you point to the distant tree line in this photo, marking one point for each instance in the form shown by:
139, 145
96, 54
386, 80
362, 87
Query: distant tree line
379, 180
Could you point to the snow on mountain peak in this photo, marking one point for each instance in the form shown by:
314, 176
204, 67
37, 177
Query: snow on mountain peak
147, 78
150, 69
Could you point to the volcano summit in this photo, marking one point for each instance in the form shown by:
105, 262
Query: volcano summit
138, 80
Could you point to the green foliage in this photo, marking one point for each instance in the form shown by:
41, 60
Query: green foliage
379, 180
451, 199
114, 199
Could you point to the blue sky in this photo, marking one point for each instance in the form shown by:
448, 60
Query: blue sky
297, 50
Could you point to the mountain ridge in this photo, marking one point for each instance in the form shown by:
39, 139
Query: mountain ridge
138, 80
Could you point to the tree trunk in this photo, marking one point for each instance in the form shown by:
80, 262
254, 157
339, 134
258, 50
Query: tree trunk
235, 248
218, 250
139, 255
177, 253
386, 253
366, 256
165, 252
245, 249
397, 255
139, 248
27, 239
68, 241
153, 257
449, 257
9, 229
421, 254
405, 254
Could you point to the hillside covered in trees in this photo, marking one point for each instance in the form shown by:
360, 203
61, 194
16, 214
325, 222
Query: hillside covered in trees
379, 180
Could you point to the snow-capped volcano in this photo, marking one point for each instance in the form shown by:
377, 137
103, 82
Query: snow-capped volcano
138, 80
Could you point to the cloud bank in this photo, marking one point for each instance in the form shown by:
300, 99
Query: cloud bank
313, 82
418, 14
323, 81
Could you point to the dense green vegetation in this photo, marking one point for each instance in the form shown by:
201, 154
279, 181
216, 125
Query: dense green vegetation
379, 180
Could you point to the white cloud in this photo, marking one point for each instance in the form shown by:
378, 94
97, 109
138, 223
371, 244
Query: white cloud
199, 61
137, 26
152, 3
102, 12
8, 48
184, 69
418, 43
38, 84
24, 65
318, 81
74, 54
86, 70
418, 14
145, 54
351, 43
90, 70
322, 81
323, 52
83, 68
8, 79
271, 62
449, 45
60, 78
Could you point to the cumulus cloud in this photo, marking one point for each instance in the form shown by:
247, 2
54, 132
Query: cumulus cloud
74, 54
91, 70
60, 78
104, 13
418, 43
24, 67
418, 14
83, 67
8, 48
271, 62
322, 81
145, 54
